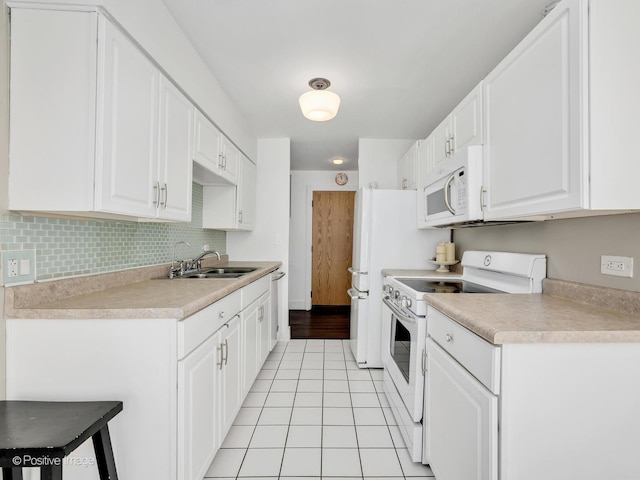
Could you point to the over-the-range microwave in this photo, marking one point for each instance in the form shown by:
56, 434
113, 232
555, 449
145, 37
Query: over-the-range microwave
453, 192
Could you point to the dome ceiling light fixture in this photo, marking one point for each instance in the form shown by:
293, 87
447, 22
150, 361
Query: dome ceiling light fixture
337, 161
319, 104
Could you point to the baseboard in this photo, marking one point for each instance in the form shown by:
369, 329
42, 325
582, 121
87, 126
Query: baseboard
293, 305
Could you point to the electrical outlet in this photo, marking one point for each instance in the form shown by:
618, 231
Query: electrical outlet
18, 267
616, 266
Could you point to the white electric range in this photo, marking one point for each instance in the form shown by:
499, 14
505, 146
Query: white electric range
404, 325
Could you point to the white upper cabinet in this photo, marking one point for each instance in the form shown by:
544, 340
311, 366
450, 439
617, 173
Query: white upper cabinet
407, 168
562, 113
232, 207
215, 154
425, 162
461, 128
114, 135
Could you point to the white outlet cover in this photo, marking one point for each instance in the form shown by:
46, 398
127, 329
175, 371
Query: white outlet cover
616, 266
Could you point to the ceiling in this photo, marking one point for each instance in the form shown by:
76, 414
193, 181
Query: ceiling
399, 66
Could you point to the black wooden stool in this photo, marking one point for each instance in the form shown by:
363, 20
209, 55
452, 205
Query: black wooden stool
42, 434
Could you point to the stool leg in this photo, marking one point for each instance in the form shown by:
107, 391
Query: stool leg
53, 472
104, 454
9, 473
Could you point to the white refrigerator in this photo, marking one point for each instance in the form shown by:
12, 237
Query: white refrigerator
385, 236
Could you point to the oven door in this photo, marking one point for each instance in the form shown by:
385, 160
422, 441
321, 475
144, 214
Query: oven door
405, 343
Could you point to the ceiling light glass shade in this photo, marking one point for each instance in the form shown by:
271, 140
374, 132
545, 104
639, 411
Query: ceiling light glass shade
337, 161
319, 105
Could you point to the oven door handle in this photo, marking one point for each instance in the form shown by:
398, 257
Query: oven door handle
356, 272
397, 312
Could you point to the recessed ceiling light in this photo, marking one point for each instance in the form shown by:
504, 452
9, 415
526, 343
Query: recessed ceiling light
337, 161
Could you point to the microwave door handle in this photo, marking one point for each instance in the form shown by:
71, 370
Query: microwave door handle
447, 190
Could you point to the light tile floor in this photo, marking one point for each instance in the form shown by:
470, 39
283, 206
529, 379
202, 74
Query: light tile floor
313, 413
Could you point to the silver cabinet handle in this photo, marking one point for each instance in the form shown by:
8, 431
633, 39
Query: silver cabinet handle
482, 194
156, 189
221, 315
354, 294
220, 162
451, 145
447, 200
240, 216
226, 351
424, 361
220, 363
448, 337
278, 276
356, 272
163, 190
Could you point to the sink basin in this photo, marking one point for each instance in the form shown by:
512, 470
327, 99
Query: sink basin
223, 272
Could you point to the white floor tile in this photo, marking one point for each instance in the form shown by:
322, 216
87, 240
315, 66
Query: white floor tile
374, 436
267, 374
261, 385
377, 373
352, 365
315, 341
275, 416
271, 364
337, 399
275, 355
247, 416
314, 356
339, 436
308, 386
380, 461
280, 346
293, 356
301, 462
315, 348
307, 416
335, 375
359, 374
296, 346
284, 385
412, 469
269, 436
308, 399
388, 415
331, 343
334, 365
365, 400
290, 364
304, 436
379, 385
239, 436
312, 364
261, 461
255, 399
369, 416
287, 375
361, 386
341, 462
339, 356
226, 462
311, 374
396, 436
384, 401
280, 399
336, 386
337, 416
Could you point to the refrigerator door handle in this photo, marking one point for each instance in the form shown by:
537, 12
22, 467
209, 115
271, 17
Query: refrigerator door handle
355, 272
355, 294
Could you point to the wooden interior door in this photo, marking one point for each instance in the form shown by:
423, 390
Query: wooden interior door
332, 246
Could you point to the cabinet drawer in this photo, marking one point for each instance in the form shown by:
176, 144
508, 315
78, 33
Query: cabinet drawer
478, 356
255, 290
194, 330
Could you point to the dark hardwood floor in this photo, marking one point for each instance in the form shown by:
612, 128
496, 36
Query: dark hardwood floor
320, 322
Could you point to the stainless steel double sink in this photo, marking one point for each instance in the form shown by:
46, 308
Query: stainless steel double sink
222, 272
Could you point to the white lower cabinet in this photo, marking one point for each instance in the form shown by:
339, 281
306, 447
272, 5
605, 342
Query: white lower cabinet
528, 411
181, 381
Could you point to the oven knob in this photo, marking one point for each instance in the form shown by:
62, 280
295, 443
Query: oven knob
396, 294
408, 303
403, 302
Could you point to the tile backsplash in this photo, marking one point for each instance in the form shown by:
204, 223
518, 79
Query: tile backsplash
68, 247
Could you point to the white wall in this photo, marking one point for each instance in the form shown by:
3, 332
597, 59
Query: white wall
269, 240
378, 161
4, 162
303, 183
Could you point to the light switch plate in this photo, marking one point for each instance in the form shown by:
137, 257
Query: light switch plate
18, 267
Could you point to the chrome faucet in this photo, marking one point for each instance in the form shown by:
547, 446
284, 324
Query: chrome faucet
177, 270
196, 263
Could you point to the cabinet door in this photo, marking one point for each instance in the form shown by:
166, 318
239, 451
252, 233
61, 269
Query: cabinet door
264, 313
197, 406
127, 126
247, 195
175, 157
424, 164
207, 148
251, 335
230, 160
533, 144
441, 145
407, 169
230, 385
461, 418
466, 121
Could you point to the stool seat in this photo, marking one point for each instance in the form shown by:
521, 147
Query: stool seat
41, 434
